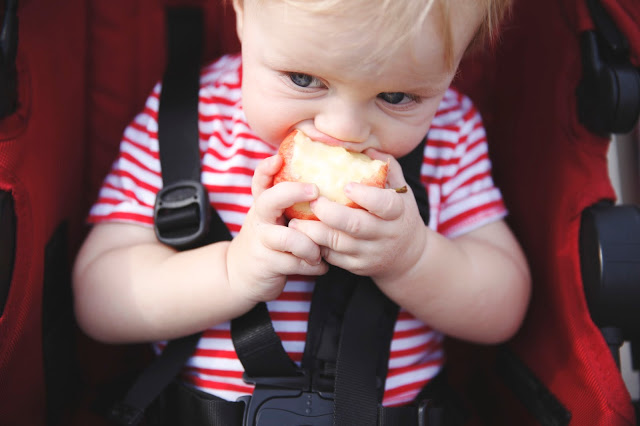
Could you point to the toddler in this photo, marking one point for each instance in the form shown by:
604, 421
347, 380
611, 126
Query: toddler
371, 76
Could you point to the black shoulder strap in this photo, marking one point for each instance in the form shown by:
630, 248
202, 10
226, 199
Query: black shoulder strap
180, 162
182, 205
184, 218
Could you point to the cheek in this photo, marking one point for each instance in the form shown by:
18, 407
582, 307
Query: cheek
401, 139
398, 136
270, 117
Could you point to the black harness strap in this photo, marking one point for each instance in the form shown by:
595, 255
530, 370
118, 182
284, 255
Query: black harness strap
153, 380
368, 324
329, 304
178, 210
184, 219
258, 346
182, 206
350, 329
358, 388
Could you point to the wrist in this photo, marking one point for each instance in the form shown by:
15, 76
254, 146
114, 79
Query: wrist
406, 266
240, 297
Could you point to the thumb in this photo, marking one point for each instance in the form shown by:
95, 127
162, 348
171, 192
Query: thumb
263, 176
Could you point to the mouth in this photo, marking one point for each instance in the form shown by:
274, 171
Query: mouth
331, 141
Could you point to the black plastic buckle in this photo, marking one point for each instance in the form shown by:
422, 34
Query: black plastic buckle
181, 214
286, 401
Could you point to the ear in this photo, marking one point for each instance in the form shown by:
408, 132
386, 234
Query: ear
238, 7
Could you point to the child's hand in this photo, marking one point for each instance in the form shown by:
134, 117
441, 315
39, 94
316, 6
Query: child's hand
381, 241
265, 250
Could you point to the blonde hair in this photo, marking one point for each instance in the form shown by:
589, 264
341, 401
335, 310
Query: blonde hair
407, 19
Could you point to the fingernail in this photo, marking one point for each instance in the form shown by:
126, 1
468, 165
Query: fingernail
310, 189
314, 262
347, 188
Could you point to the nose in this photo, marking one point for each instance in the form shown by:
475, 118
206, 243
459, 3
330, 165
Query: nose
345, 120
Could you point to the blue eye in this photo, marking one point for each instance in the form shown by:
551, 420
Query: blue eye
395, 98
302, 80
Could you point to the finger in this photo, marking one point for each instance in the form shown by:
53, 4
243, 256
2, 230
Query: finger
263, 176
288, 264
395, 177
325, 236
284, 239
351, 263
386, 204
302, 267
336, 247
352, 220
271, 205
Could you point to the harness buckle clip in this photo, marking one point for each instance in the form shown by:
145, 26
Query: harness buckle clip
286, 401
181, 214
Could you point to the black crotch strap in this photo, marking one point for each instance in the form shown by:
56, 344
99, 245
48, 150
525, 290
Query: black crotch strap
350, 330
363, 355
367, 330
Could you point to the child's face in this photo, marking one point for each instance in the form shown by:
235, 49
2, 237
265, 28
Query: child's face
299, 71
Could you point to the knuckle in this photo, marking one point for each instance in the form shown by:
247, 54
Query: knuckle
285, 240
390, 206
354, 225
335, 240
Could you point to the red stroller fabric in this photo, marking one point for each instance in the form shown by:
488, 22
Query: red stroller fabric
86, 67
550, 169
41, 166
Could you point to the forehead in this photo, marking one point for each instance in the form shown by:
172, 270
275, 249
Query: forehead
354, 40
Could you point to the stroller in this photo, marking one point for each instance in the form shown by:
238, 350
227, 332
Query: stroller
564, 78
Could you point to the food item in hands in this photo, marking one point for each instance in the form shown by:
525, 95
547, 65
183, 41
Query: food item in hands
329, 167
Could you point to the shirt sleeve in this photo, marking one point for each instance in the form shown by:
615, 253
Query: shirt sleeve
464, 190
129, 190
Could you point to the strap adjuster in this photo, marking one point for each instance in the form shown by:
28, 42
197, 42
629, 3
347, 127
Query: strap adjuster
181, 214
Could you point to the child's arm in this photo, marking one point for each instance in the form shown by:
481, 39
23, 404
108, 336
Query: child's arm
129, 288
475, 287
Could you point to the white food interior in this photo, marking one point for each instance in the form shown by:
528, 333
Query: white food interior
330, 167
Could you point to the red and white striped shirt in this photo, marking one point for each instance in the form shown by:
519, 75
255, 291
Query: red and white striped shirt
456, 172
